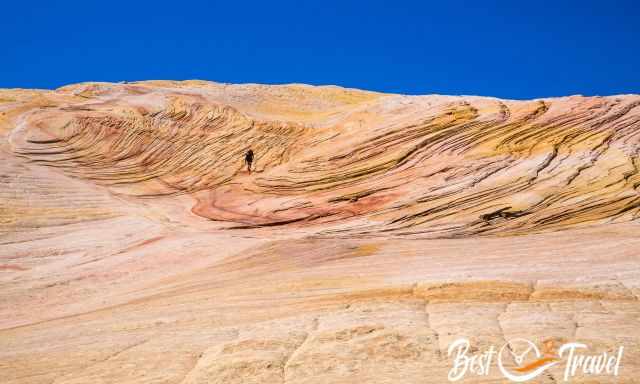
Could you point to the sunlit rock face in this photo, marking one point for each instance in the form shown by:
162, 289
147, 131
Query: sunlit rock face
373, 231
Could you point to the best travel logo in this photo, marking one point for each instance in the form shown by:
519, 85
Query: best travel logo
520, 360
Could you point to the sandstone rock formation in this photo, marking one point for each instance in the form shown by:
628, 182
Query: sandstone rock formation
374, 230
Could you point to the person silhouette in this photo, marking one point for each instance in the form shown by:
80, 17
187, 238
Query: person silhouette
248, 158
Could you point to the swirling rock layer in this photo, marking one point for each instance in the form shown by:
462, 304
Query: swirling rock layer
372, 231
366, 163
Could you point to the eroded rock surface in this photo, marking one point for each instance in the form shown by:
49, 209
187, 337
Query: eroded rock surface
374, 231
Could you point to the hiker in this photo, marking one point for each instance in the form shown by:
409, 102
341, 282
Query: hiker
248, 157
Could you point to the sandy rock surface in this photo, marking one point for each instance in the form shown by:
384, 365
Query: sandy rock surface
373, 231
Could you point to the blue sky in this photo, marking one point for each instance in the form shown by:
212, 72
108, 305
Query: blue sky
510, 49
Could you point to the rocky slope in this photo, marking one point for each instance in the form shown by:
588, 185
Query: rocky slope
374, 230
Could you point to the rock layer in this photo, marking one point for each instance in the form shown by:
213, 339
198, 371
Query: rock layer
373, 231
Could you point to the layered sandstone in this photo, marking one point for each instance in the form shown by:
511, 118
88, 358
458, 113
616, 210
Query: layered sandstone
374, 230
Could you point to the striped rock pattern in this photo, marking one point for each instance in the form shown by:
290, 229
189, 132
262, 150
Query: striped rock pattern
373, 230
430, 165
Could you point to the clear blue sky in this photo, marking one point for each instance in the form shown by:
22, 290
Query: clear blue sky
510, 49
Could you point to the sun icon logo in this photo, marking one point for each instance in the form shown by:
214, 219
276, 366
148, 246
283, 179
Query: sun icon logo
529, 361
